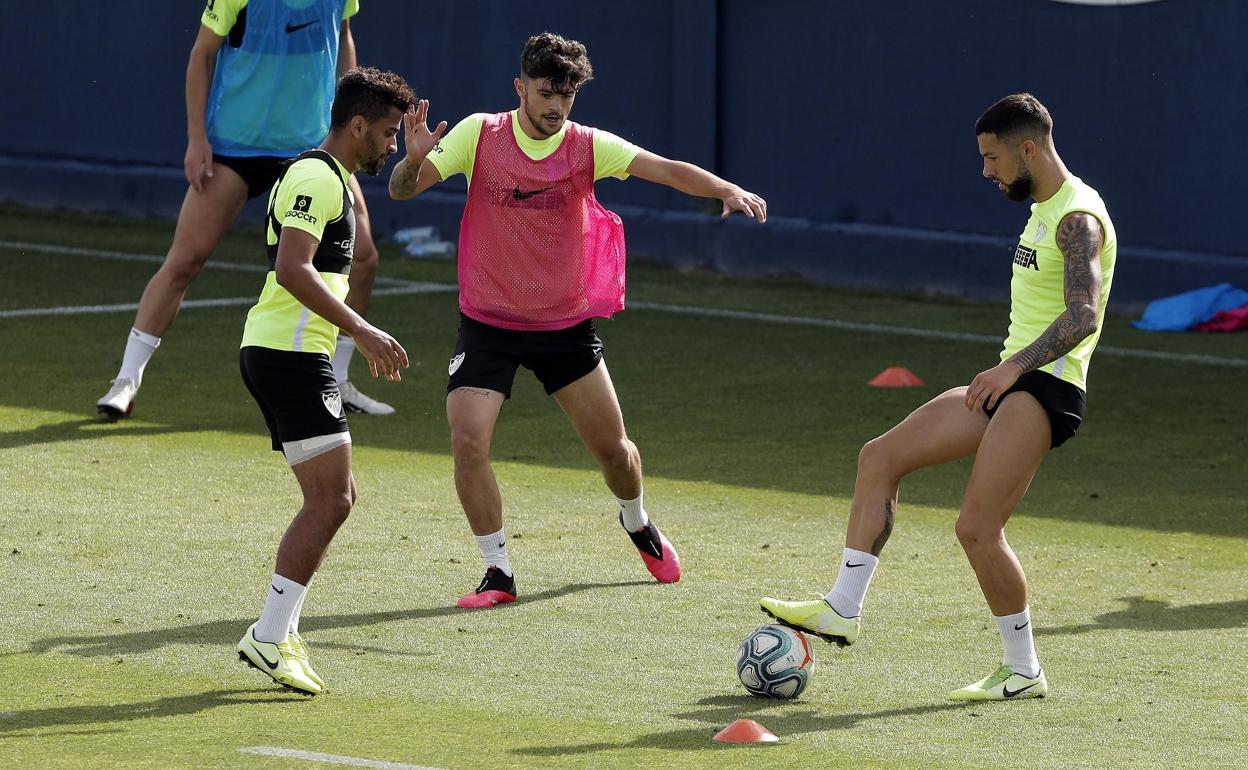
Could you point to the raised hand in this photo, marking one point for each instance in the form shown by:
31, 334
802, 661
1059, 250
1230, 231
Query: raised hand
418, 140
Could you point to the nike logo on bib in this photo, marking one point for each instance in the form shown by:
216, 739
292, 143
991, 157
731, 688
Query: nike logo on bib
296, 27
518, 195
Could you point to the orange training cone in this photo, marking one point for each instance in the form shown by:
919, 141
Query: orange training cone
896, 377
745, 731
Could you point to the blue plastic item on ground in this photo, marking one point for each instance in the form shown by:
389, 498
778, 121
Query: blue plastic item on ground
1183, 311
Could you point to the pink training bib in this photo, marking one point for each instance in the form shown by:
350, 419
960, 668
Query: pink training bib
537, 252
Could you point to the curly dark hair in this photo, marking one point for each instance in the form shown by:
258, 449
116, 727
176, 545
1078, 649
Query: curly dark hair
565, 62
369, 92
1014, 115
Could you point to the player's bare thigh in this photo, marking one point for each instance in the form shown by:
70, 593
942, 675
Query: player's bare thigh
1013, 446
206, 216
940, 431
594, 409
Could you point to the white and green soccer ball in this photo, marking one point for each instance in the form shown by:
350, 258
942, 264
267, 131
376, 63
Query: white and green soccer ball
775, 661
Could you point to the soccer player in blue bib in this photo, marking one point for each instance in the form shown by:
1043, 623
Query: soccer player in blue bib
259, 85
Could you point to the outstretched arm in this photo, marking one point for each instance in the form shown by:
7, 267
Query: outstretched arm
346, 49
415, 174
693, 180
1079, 236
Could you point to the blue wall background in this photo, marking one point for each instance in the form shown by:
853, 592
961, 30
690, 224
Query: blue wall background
854, 120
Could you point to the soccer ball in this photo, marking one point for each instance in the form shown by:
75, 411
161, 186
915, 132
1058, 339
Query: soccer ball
775, 662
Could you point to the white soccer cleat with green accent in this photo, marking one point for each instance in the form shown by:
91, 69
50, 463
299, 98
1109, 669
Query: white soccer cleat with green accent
816, 617
280, 661
1004, 684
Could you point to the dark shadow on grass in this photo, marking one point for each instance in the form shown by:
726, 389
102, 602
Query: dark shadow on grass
1142, 614
722, 710
178, 705
79, 430
227, 632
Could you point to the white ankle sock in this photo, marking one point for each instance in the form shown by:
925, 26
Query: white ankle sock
494, 549
284, 596
342, 358
852, 581
1016, 638
139, 349
633, 513
294, 619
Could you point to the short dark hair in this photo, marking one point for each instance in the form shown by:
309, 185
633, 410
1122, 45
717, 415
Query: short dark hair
565, 62
369, 92
1015, 115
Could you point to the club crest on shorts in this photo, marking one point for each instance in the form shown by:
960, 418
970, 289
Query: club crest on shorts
333, 402
456, 362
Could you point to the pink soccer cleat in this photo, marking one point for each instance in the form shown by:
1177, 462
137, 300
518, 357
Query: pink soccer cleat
497, 587
656, 552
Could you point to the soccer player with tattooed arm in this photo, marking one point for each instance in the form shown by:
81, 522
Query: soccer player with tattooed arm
1008, 417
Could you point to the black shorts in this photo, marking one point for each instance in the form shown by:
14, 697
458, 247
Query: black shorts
299, 399
259, 172
1062, 401
487, 356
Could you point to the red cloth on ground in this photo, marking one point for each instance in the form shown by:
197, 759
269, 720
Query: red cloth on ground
1226, 321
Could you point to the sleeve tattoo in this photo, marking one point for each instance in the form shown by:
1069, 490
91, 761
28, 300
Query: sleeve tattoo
403, 179
1079, 239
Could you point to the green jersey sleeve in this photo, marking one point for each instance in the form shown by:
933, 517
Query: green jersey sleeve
456, 152
350, 9
309, 197
220, 15
612, 155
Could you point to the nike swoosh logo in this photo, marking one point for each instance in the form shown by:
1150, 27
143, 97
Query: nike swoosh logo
296, 27
502, 544
518, 195
272, 666
851, 566
1007, 692
1020, 628
279, 590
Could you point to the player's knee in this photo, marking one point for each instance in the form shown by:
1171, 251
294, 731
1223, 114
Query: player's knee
875, 459
338, 507
469, 444
619, 455
974, 533
183, 265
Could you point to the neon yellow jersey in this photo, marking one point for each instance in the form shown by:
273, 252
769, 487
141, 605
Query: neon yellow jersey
456, 153
1037, 290
309, 197
220, 15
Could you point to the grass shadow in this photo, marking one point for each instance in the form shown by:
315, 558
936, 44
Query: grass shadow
227, 632
1142, 614
80, 430
35, 720
719, 711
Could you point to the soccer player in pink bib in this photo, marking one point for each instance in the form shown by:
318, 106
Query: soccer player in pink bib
539, 259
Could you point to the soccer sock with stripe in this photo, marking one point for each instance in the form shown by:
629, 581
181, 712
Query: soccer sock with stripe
494, 550
1018, 643
284, 597
850, 589
139, 349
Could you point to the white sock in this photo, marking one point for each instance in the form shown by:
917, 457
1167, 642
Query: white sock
294, 619
1016, 638
633, 513
494, 549
139, 349
847, 595
342, 358
284, 596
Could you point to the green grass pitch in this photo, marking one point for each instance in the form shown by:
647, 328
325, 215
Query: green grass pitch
132, 556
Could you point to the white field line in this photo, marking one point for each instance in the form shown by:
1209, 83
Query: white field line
394, 286
330, 759
411, 287
212, 264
